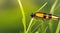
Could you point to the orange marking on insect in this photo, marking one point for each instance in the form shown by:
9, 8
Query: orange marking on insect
39, 15
47, 16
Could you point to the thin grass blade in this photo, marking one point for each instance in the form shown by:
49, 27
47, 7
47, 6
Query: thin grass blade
23, 15
58, 27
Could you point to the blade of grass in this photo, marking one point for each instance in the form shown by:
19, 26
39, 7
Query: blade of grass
30, 24
33, 18
58, 27
23, 15
36, 27
53, 7
45, 29
39, 28
42, 7
52, 12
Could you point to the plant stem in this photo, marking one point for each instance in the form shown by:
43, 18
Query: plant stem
23, 15
42, 7
30, 24
58, 27
53, 7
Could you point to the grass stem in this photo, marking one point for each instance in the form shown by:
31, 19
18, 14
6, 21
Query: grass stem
42, 7
30, 24
23, 15
58, 27
53, 7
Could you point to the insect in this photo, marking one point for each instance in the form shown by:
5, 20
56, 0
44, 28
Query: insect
44, 15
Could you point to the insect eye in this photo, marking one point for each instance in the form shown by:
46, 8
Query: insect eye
33, 15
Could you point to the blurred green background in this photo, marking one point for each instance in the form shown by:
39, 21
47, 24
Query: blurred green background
11, 17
